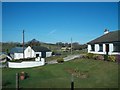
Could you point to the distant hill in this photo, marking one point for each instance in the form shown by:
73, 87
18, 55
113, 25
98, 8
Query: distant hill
6, 46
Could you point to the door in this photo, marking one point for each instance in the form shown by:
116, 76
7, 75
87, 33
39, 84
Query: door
43, 54
107, 48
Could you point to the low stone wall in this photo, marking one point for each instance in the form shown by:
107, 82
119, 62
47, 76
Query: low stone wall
26, 64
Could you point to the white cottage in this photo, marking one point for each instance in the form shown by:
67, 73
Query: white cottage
30, 52
109, 43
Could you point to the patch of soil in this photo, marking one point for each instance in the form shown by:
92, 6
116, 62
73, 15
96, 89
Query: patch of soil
77, 73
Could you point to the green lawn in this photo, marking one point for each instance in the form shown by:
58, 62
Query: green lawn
87, 74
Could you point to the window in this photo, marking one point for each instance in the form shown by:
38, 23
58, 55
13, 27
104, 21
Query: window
37, 55
92, 47
100, 47
116, 47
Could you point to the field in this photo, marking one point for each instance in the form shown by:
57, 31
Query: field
87, 73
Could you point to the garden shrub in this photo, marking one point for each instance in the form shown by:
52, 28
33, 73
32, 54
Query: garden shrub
89, 55
60, 60
15, 60
117, 58
25, 59
112, 58
98, 57
105, 57
28, 59
5, 83
83, 56
95, 56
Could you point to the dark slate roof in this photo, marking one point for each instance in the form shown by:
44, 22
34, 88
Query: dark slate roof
107, 38
17, 50
35, 48
40, 49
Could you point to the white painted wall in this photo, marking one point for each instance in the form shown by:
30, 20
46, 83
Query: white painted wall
48, 54
104, 48
89, 48
26, 64
29, 52
37, 59
96, 47
110, 49
18, 55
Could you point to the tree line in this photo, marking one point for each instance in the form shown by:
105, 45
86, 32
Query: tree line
8, 45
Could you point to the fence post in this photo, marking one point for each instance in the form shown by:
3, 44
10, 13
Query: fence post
17, 81
72, 83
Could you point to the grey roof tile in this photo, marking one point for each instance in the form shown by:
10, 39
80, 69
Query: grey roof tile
107, 38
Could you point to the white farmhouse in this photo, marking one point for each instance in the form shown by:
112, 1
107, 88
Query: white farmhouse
30, 52
109, 43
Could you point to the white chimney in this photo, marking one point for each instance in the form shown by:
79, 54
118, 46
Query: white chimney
106, 31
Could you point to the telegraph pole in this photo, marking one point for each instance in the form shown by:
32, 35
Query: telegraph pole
71, 45
23, 45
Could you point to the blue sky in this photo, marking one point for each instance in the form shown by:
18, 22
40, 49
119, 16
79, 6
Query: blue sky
58, 21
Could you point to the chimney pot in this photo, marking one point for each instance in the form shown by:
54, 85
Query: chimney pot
106, 31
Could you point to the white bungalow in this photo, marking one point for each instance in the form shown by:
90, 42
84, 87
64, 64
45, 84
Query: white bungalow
30, 52
109, 43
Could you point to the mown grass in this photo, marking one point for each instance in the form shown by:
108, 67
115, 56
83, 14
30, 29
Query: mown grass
101, 74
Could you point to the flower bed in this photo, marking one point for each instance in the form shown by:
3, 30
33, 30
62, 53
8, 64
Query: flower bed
112, 58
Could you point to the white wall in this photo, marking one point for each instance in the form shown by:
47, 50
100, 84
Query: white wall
96, 47
29, 52
89, 48
26, 64
110, 48
104, 49
48, 54
18, 55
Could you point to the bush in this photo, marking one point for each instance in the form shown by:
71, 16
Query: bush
83, 56
60, 60
118, 58
89, 55
112, 58
20, 60
100, 57
15, 60
96, 57
28, 59
5, 83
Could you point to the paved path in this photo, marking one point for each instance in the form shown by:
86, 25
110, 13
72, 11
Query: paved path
52, 62
68, 58
71, 57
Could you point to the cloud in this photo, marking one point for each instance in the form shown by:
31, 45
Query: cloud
52, 32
